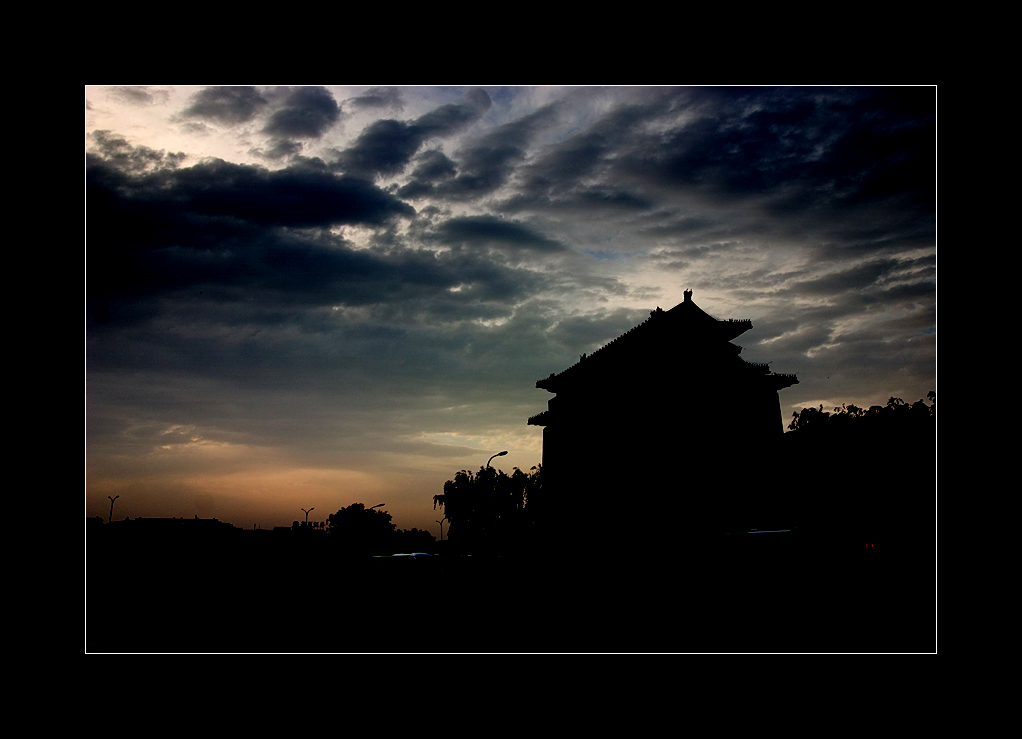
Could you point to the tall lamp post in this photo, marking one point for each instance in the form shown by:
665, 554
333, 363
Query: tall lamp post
307, 514
441, 522
498, 454
111, 517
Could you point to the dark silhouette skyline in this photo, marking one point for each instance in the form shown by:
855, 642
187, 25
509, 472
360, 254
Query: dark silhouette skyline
856, 573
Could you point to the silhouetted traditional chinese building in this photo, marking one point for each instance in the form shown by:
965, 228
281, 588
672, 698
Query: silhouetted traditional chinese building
665, 426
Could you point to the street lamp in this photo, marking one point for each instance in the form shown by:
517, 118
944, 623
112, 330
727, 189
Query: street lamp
498, 454
378, 505
441, 522
307, 514
111, 518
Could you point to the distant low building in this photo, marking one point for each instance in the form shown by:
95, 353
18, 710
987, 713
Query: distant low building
666, 428
200, 529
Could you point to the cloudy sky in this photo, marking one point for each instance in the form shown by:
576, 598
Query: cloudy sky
312, 296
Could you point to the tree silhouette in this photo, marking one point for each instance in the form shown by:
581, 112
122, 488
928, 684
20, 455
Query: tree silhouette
360, 530
491, 511
869, 473
414, 540
896, 412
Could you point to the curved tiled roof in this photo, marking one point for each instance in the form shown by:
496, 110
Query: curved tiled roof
687, 319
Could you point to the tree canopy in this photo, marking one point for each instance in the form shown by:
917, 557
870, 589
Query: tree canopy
361, 530
872, 471
896, 412
491, 510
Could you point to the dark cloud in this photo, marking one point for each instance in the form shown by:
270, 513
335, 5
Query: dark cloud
290, 312
432, 167
299, 196
856, 278
383, 148
485, 164
281, 149
226, 105
803, 148
242, 245
576, 173
489, 230
308, 113
921, 291
862, 276
590, 332
679, 259
226, 226
482, 168
846, 173
117, 151
564, 165
386, 146
592, 198
140, 95
453, 117
378, 97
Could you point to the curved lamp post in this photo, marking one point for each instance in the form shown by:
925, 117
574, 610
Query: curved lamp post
498, 454
378, 505
111, 517
441, 522
307, 514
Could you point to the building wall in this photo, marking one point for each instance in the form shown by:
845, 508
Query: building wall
632, 457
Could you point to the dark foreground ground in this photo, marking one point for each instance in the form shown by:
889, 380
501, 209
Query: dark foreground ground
757, 593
